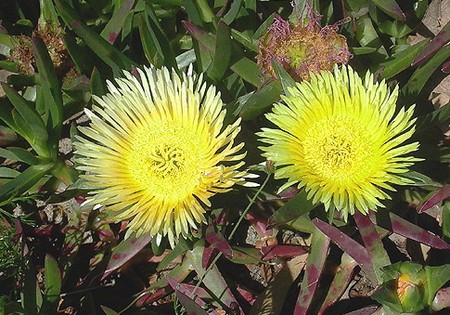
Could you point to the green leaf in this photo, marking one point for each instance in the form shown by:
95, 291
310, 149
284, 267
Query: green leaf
221, 58
6, 172
421, 180
247, 70
104, 50
446, 219
27, 122
23, 182
31, 294
262, 99
313, 269
232, 13
421, 76
293, 209
213, 280
48, 13
158, 49
97, 83
19, 154
52, 279
401, 60
124, 251
117, 21
391, 8
286, 80
108, 311
437, 277
50, 89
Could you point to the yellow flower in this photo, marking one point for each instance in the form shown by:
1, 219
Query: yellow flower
157, 149
339, 138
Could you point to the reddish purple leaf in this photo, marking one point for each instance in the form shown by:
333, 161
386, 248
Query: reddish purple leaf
373, 244
348, 245
259, 223
364, 311
124, 251
247, 295
213, 280
391, 8
205, 39
219, 242
439, 195
314, 266
281, 251
193, 305
446, 67
341, 280
412, 231
439, 41
208, 255
153, 296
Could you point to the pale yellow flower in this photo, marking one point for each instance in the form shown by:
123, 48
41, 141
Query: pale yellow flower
339, 137
157, 149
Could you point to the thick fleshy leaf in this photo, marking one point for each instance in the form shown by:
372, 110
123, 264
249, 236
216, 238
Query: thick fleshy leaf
391, 8
246, 255
341, 280
213, 280
221, 58
313, 270
421, 180
270, 301
350, 246
261, 100
116, 22
205, 39
161, 288
437, 277
23, 182
291, 210
409, 230
441, 300
281, 251
153, 37
124, 251
49, 92
7, 136
401, 60
446, 219
421, 76
438, 196
368, 310
193, 303
52, 279
439, 41
19, 154
373, 244
108, 53
247, 70
108, 311
28, 123
218, 241
286, 80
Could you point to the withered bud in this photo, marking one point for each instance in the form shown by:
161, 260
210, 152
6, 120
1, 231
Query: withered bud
301, 48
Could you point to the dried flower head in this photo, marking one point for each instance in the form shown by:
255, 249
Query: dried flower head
301, 48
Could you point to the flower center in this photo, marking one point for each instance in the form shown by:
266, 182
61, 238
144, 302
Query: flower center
337, 148
165, 160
